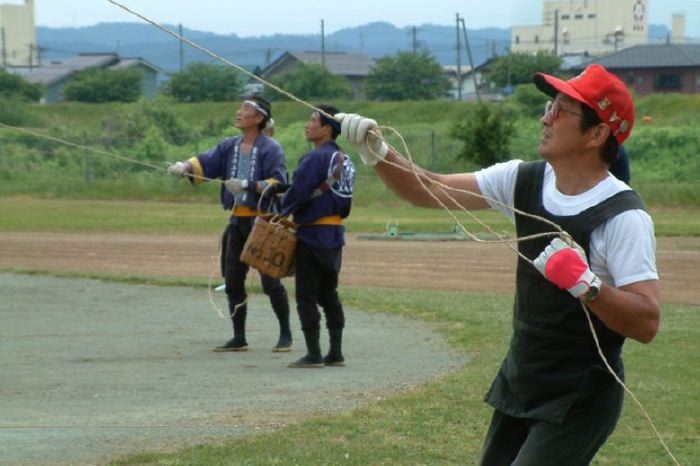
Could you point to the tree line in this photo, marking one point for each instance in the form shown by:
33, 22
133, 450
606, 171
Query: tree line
404, 76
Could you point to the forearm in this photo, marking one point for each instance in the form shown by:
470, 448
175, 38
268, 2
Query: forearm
631, 311
403, 181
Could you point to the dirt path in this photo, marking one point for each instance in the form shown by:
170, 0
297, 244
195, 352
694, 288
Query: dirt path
94, 370
449, 266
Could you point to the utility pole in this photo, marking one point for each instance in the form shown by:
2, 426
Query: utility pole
414, 31
323, 44
471, 61
182, 50
617, 35
459, 62
4, 49
556, 33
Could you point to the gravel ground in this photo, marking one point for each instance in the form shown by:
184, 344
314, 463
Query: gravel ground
93, 370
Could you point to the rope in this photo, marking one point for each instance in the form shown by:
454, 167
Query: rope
621, 383
97, 150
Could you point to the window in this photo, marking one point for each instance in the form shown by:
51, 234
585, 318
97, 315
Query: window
565, 17
579, 16
667, 82
517, 39
630, 78
591, 16
537, 39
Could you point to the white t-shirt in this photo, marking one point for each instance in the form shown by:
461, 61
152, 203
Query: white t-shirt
622, 250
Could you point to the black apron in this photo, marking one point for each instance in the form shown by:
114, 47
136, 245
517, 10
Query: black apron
552, 351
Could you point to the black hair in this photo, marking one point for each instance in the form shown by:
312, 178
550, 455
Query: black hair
265, 105
325, 121
611, 147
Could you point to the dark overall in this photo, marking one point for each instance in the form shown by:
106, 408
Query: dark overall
555, 401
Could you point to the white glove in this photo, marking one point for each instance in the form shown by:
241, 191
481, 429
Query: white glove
236, 185
567, 268
364, 135
178, 169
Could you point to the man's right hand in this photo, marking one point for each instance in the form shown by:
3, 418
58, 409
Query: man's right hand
364, 135
178, 169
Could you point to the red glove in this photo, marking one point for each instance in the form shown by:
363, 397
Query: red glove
567, 268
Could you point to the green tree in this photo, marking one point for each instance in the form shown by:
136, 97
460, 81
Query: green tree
102, 85
201, 82
486, 133
12, 85
519, 68
406, 76
310, 82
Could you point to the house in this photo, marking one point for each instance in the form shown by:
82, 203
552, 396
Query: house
470, 80
57, 74
655, 68
352, 66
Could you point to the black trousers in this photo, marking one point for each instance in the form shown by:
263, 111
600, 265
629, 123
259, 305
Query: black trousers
317, 273
530, 442
235, 272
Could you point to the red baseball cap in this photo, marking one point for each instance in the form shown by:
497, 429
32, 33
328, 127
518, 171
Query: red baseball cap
600, 90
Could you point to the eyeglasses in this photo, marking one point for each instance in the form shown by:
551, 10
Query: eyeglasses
552, 109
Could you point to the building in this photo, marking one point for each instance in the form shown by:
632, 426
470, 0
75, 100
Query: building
352, 66
657, 68
594, 27
17, 35
56, 75
470, 80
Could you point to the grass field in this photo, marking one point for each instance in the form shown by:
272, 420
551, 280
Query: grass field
442, 422
25, 213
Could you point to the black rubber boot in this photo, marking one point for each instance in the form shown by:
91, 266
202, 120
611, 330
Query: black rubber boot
280, 306
313, 358
238, 342
234, 344
335, 354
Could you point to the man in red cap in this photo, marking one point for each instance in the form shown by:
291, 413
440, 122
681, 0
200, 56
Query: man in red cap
555, 400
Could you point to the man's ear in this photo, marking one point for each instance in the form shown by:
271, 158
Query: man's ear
599, 135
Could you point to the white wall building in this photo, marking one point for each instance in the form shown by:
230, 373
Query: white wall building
595, 27
17, 34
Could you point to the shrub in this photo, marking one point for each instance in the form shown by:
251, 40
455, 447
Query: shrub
101, 85
12, 85
486, 134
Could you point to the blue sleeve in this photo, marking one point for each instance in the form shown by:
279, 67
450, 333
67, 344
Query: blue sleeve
307, 177
212, 163
274, 165
277, 168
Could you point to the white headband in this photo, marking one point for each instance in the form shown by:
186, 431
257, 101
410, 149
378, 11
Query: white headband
256, 106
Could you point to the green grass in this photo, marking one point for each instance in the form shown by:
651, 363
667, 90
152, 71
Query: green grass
663, 154
25, 213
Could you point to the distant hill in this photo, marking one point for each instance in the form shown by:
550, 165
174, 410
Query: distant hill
375, 39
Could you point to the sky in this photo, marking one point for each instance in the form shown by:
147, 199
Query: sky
267, 17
